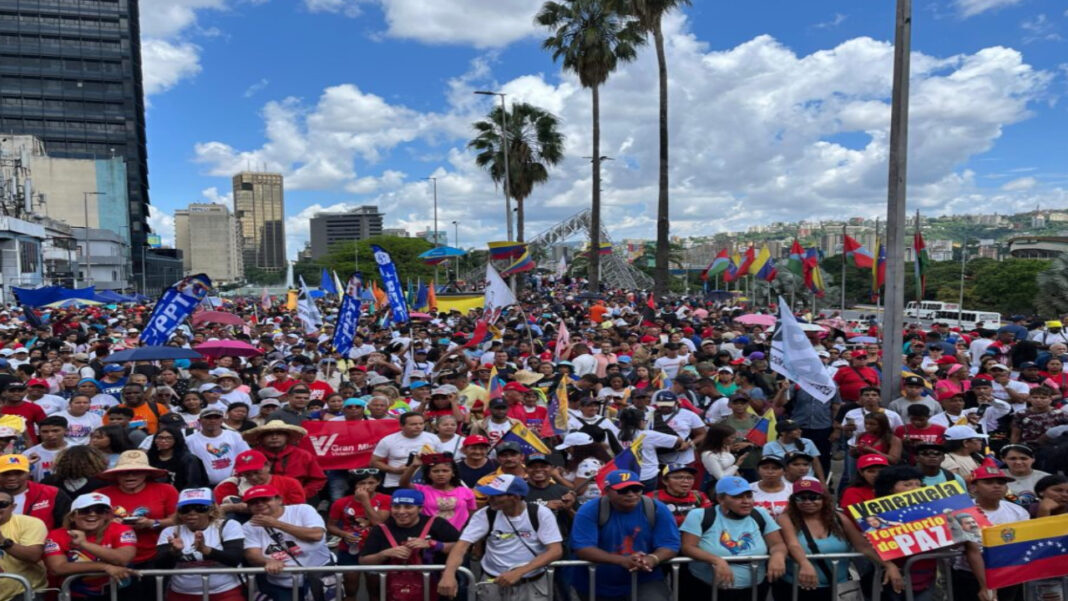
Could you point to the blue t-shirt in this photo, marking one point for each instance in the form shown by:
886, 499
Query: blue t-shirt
114, 389
730, 538
831, 544
624, 534
807, 447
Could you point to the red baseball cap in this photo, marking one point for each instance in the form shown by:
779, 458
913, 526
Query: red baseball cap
475, 439
946, 360
260, 492
38, 382
870, 460
990, 472
249, 461
945, 395
516, 386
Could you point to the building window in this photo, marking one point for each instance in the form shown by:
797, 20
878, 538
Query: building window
29, 259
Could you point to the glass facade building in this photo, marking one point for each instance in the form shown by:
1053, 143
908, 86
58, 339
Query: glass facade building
70, 74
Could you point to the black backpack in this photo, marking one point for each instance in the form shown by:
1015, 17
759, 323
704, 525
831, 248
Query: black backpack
709, 518
604, 511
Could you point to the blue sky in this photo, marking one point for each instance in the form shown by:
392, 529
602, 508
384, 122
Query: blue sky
779, 110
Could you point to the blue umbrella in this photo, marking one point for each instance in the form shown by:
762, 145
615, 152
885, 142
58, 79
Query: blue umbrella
152, 353
441, 253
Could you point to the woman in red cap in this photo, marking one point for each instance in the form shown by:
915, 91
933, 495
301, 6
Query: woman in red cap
862, 488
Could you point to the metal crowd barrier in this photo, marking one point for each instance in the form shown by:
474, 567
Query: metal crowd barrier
27, 588
753, 562
943, 558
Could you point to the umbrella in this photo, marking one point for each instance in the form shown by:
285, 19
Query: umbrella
436, 256
227, 348
221, 317
152, 353
863, 339
73, 303
419, 315
811, 327
757, 319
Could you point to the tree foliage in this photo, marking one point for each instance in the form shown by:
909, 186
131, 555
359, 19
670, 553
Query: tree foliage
1052, 299
342, 258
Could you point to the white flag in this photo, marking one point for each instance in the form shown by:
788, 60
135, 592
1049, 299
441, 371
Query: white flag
307, 311
561, 267
792, 356
498, 294
337, 286
563, 340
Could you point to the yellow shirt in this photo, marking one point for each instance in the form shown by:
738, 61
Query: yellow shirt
24, 530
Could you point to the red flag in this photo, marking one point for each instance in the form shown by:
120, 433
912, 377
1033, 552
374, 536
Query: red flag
747, 261
563, 341
343, 445
479, 335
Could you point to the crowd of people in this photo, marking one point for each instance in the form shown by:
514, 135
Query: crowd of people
112, 468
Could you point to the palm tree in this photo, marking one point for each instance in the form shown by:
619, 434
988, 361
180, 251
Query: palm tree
591, 38
650, 13
534, 144
1051, 300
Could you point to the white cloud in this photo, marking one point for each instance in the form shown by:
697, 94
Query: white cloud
835, 21
213, 196
1023, 183
162, 224
1039, 29
755, 137
349, 8
256, 88
970, 8
167, 63
480, 23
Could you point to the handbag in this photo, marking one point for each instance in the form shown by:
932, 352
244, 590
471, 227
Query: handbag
321, 587
848, 590
407, 586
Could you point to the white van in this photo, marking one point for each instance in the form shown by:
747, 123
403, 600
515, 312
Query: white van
969, 320
928, 309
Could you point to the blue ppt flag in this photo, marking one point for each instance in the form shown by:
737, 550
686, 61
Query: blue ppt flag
348, 318
174, 305
391, 283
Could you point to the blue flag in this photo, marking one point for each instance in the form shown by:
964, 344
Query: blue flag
392, 284
327, 284
422, 296
345, 330
174, 305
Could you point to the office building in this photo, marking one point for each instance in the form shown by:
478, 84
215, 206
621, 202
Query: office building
259, 206
396, 232
329, 229
70, 74
439, 238
209, 237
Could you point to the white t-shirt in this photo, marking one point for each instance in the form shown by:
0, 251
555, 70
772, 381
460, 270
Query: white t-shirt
1016, 386
946, 420
45, 459
774, 502
504, 549
587, 468
79, 428
396, 448
100, 404
683, 422
653, 440
856, 417
217, 453
51, 404
670, 366
187, 581
308, 554
495, 431
1006, 512
719, 410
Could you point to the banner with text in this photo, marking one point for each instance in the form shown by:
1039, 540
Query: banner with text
920, 520
176, 303
344, 445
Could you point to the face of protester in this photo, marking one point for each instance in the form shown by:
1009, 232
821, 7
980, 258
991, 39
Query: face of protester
133, 395
930, 458
906, 485
195, 517
679, 484
92, 519
192, 403
405, 515
274, 440
1058, 493
163, 441
990, 490
414, 426
510, 460
476, 452
441, 474
260, 477
52, 436
378, 407
78, 406
626, 499
14, 482
797, 469
1019, 463
1040, 402
770, 472
869, 399
299, 400
238, 413
953, 405
539, 473
70, 381
266, 506
131, 482
446, 426
869, 474
739, 505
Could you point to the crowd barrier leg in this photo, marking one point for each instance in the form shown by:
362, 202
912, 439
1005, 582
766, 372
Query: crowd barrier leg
27, 588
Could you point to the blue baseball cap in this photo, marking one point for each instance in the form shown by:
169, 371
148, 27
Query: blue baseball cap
354, 402
94, 382
407, 496
624, 359
733, 486
665, 397
112, 368
741, 340
505, 484
418, 384
4, 364
622, 479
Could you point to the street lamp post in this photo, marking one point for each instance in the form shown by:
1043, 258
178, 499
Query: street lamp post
144, 289
504, 147
456, 243
88, 279
435, 181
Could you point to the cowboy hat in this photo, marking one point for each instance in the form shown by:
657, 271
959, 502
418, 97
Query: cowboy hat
527, 377
132, 461
295, 433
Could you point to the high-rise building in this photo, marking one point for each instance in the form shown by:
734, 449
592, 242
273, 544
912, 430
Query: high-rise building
70, 74
259, 206
210, 240
328, 229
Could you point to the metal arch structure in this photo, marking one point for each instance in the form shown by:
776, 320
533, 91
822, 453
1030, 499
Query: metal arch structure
616, 272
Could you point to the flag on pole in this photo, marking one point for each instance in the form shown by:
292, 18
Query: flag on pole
555, 423
325, 283
922, 261
878, 271
526, 440
337, 286
813, 276
763, 265
498, 295
792, 356
747, 261
717, 266
796, 264
733, 272
563, 340
307, 311
856, 251
629, 459
758, 434
521, 264
431, 297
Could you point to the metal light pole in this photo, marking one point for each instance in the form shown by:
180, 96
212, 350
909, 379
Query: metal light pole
144, 288
504, 147
456, 243
435, 180
893, 314
88, 255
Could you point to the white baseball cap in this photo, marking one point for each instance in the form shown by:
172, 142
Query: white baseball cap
574, 439
90, 500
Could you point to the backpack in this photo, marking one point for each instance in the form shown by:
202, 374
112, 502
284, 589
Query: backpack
532, 514
709, 518
601, 435
407, 586
660, 424
604, 511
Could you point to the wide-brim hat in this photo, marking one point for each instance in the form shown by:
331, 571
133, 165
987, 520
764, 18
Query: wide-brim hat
252, 437
132, 461
527, 377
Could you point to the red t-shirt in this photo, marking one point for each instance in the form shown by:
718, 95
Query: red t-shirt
283, 385
292, 491
348, 514
320, 390
115, 536
680, 506
32, 413
155, 501
850, 380
856, 494
531, 419
932, 433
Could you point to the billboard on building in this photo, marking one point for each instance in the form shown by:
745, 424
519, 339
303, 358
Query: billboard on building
154, 241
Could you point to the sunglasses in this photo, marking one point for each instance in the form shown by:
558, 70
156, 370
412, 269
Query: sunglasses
194, 508
808, 498
99, 510
631, 490
930, 453
6, 504
366, 471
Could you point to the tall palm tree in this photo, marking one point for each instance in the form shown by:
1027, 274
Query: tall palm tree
534, 145
649, 14
591, 38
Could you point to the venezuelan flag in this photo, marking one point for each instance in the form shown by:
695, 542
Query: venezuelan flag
556, 424
748, 257
523, 263
758, 434
733, 271
1021, 551
525, 438
506, 250
630, 459
717, 266
496, 387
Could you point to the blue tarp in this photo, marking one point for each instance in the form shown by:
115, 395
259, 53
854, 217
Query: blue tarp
37, 297
110, 296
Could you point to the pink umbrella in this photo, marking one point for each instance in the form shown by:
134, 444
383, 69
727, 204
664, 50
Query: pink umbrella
227, 348
221, 317
757, 319
419, 315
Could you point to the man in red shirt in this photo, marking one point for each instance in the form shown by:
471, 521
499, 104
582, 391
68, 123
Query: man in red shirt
15, 404
277, 441
251, 468
319, 390
281, 380
677, 491
855, 376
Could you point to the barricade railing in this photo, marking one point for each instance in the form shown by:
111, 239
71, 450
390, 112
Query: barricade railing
943, 558
27, 588
205, 573
753, 562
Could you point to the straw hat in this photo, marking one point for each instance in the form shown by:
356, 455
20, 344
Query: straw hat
527, 377
295, 433
133, 461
